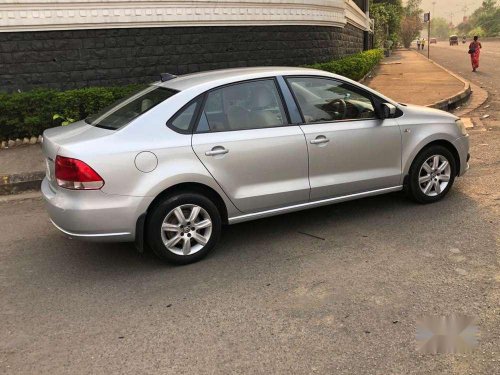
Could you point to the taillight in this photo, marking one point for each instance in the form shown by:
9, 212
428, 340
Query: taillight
76, 175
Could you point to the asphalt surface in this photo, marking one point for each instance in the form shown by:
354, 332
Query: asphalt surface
456, 59
331, 290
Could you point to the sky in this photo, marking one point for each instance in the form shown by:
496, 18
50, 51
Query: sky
445, 7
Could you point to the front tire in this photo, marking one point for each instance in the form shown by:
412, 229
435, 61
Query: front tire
184, 228
432, 174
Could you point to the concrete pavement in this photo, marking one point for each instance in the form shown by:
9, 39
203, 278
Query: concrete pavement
21, 168
408, 77
21, 159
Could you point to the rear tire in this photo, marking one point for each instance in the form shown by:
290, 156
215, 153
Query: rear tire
184, 228
432, 174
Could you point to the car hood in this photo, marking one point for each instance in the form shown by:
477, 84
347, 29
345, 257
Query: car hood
417, 111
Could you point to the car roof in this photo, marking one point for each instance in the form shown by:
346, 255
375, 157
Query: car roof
216, 77
197, 83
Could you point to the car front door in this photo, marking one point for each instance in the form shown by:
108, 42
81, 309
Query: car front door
244, 139
351, 150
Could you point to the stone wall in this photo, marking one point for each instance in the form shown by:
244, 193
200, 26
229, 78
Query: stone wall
104, 57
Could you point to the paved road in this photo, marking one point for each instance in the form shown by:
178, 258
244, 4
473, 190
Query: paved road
331, 290
458, 54
457, 60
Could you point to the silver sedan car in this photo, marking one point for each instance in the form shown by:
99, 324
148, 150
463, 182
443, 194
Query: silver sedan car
168, 166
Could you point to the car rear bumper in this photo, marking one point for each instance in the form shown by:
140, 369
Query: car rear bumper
93, 215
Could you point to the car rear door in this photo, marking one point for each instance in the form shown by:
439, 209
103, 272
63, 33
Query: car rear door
244, 139
351, 150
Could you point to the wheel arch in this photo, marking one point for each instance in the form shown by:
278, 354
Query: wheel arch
185, 187
438, 142
194, 187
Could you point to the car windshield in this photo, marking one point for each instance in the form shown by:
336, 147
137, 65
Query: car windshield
125, 110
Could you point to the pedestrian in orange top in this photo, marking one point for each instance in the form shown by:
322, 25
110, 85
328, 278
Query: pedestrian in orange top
474, 51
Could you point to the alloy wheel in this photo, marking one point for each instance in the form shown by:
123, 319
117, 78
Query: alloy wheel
186, 229
434, 175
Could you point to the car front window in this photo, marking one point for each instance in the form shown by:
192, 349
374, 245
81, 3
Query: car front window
125, 110
325, 100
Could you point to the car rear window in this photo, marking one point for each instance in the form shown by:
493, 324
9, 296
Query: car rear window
125, 110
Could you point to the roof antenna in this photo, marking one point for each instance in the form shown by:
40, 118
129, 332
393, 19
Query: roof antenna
167, 77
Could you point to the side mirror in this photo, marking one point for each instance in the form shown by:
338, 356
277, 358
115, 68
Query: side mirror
388, 110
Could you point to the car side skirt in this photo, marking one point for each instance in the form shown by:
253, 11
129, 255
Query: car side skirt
305, 206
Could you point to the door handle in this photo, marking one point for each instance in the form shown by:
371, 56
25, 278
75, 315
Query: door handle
320, 140
218, 150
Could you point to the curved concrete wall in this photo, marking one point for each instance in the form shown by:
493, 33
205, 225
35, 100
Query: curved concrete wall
37, 15
49, 45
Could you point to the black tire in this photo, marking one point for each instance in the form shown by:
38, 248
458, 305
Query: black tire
413, 187
159, 213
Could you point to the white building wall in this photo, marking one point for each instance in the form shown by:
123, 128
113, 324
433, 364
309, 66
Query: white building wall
41, 15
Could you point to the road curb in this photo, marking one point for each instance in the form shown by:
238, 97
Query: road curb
453, 101
478, 98
20, 182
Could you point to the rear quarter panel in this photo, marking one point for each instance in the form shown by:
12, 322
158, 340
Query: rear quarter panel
113, 156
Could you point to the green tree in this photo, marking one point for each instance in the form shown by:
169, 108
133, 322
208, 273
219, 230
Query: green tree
463, 28
486, 19
440, 28
387, 16
412, 22
476, 31
412, 8
489, 20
